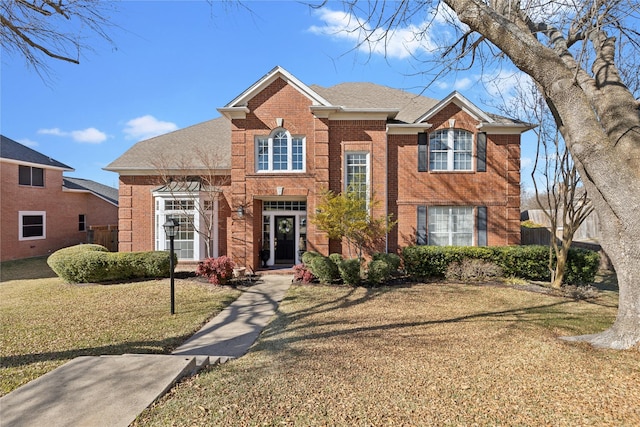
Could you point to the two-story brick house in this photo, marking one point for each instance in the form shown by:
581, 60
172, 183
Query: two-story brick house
42, 210
446, 170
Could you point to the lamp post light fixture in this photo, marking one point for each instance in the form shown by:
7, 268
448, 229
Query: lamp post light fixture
170, 229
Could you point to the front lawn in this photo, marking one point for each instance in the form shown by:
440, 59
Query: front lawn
46, 322
425, 354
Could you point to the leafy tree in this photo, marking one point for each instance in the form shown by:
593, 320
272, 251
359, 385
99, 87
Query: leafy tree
583, 57
348, 215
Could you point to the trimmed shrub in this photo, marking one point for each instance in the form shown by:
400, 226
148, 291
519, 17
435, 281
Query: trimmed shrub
302, 274
526, 262
324, 269
94, 263
307, 257
336, 258
473, 270
378, 272
217, 270
349, 270
393, 260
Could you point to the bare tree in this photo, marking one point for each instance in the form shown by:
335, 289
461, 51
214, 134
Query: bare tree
558, 189
573, 51
40, 29
195, 182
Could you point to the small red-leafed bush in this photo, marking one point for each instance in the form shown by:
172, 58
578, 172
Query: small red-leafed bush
302, 274
217, 270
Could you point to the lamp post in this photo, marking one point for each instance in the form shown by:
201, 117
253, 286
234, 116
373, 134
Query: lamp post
170, 229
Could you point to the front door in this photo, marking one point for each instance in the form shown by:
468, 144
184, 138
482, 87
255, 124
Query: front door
285, 239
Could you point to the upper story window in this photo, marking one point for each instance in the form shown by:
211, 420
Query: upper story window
451, 150
357, 174
280, 152
32, 176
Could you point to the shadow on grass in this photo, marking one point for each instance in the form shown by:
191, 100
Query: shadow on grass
140, 347
25, 269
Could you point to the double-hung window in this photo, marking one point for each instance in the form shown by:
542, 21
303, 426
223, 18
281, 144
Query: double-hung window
280, 152
450, 225
32, 176
451, 150
32, 225
357, 174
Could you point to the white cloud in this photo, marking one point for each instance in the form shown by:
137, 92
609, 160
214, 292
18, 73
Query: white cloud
52, 131
85, 136
401, 43
462, 84
28, 142
147, 127
526, 162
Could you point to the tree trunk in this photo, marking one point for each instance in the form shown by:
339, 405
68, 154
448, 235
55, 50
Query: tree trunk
600, 122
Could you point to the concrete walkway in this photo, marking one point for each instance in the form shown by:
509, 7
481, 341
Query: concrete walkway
111, 391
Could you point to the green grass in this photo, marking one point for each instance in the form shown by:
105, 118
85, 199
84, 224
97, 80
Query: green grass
46, 322
425, 354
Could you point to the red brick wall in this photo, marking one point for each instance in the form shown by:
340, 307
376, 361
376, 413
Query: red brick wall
62, 212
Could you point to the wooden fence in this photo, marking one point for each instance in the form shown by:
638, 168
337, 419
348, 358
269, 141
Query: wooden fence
105, 235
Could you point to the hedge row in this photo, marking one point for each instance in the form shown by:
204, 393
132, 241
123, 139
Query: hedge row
335, 268
526, 262
94, 263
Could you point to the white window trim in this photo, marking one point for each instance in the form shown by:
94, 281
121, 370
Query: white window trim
22, 214
161, 216
474, 224
451, 150
367, 173
269, 139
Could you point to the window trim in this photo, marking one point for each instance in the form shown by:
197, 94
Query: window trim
270, 152
450, 150
367, 172
21, 215
473, 218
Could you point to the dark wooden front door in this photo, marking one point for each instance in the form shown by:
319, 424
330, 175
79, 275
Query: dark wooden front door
285, 239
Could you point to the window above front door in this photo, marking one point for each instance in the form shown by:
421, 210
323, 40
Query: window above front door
280, 152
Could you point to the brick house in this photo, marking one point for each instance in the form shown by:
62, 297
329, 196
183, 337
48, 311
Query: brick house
446, 170
42, 210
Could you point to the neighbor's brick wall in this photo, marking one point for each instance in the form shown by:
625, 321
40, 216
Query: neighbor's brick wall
62, 211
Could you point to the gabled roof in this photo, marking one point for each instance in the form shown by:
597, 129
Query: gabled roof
408, 106
276, 73
17, 153
102, 191
180, 148
461, 102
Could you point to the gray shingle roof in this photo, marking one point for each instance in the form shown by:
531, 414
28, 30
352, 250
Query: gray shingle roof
370, 95
110, 194
212, 137
12, 150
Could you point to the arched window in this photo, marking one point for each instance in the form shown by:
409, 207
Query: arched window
450, 150
280, 152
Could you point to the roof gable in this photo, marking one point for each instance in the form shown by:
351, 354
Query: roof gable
18, 153
462, 102
276, 73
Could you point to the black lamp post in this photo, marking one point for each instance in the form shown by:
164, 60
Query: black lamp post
170, 229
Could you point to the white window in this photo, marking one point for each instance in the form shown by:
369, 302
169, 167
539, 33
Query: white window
280, 152
32, 225
450, 150
357, 174
450, 226
190, 240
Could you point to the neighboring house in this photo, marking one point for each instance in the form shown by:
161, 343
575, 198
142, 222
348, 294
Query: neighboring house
446, 170
42, 210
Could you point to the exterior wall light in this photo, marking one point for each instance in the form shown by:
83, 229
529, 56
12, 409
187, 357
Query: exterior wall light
240, 211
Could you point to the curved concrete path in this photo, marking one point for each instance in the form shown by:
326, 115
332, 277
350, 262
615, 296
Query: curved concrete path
111, 391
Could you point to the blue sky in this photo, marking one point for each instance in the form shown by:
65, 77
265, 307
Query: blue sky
173, 63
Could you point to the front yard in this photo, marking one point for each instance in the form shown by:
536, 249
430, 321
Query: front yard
425, 354
46, 322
